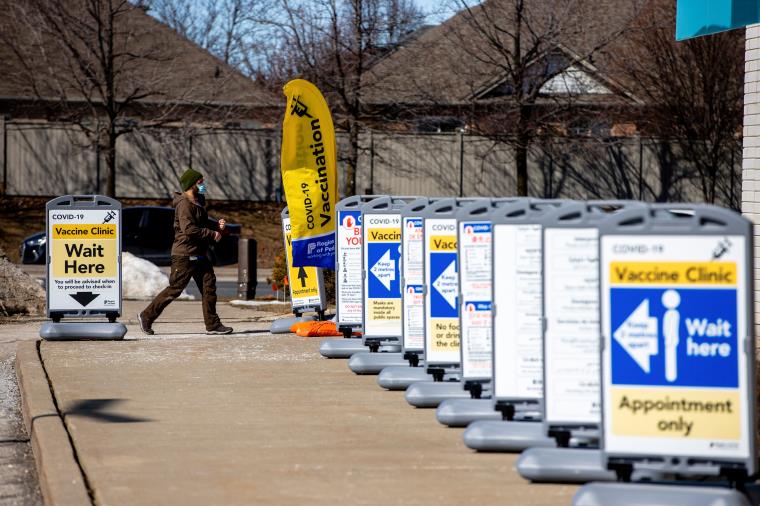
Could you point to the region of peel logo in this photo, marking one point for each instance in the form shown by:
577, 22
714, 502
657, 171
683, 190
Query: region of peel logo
477, 228
473, 307
351, 220
350, 232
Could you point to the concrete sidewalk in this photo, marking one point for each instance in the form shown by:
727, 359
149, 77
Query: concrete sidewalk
257, 419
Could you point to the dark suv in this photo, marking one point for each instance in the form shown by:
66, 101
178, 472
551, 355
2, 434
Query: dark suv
147, 232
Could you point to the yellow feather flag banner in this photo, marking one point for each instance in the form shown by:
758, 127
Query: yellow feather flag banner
308, 164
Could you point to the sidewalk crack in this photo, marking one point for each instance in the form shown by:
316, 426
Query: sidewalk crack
90, 491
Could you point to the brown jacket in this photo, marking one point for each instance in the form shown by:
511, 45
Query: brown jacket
192, 235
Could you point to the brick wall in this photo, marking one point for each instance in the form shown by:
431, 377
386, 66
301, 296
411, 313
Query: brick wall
751, 155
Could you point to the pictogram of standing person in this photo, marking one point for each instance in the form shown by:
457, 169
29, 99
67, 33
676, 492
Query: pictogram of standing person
670, 323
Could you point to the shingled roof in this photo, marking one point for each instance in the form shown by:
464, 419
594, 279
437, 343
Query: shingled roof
170, 67
453, 63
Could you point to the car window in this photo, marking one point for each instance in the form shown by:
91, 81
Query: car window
130, 224
159, 228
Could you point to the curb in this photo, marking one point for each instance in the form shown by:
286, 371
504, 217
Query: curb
61, 480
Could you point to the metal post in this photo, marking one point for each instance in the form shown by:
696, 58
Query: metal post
97, 168
551, 177
247, 269
280, 188
190, 152
641, 168
4, 126
371, 163
461, 163
732, 174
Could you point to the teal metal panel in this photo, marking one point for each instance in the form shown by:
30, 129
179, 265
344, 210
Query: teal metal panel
695, 18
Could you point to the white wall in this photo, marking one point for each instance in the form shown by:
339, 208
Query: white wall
751, 155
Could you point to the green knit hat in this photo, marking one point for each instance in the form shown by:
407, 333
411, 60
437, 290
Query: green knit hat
189, 178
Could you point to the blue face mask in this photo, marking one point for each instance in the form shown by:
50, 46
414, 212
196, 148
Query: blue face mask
202, 189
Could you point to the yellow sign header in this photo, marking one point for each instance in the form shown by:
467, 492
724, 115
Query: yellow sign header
673, 273
106, 231
443, 243
384, 234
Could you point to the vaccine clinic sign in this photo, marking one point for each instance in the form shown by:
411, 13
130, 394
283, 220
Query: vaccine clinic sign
442, 308
413, 297
475, 280
304, 282
382, 240
349, 295
674, 325
517, 352
83, 273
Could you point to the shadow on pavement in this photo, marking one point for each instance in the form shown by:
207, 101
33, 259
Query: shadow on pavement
96, 409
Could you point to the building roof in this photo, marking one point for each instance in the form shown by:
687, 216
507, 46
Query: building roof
157, 63
460, 60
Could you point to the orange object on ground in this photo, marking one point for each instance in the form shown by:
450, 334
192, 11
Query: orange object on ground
294, 328
318, 329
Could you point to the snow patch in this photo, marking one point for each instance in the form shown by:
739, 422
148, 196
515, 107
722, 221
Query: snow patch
256, 303
143, 280
10, 400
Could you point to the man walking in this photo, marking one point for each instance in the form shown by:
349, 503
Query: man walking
192, 238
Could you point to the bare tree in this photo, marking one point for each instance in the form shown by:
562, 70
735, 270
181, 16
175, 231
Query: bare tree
332, 43
695, 91
101, 65
540, 53
232, 30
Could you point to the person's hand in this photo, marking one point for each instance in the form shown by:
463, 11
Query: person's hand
217, 236
222, 224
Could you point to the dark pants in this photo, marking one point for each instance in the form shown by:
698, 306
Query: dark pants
183, 269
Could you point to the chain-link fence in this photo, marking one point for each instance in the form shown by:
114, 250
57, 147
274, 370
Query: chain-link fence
243, 164
54, 159
580, 168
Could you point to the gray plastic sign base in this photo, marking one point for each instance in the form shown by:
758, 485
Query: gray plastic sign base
366, 362
82, 331
570, 465
585, 438
462, 412
341, 348
528, 415
401, 377
636, 494
282, 326
563, 465
503, 436
429, 394
390, 347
